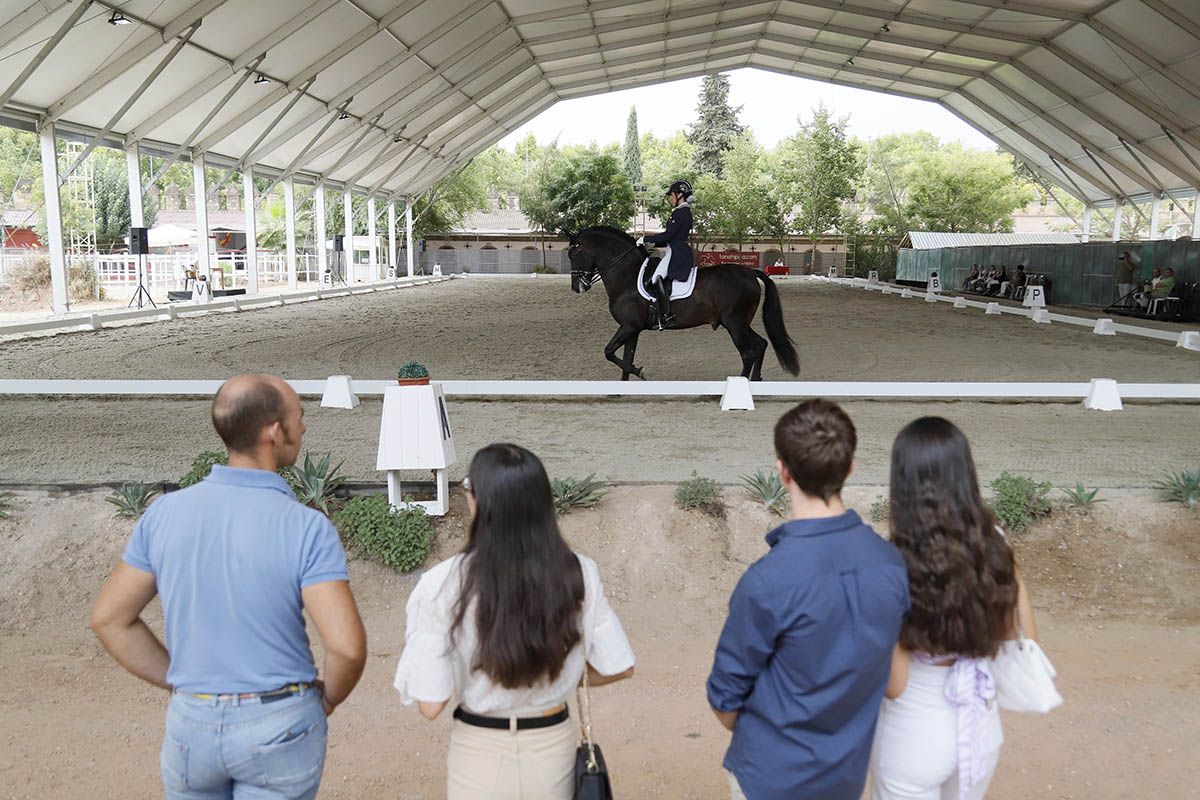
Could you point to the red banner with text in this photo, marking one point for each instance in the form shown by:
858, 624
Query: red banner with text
746, 258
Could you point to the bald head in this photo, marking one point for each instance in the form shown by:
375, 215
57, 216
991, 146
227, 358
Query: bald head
247, 404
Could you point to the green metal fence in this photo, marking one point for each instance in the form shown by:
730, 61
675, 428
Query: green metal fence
1083, 274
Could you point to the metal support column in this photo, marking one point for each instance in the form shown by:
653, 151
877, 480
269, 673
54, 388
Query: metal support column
373, 258
319, 232
1196, 216
1087, 224
1155, 216
391, 259
200, 190
348, 242
289, 222
408, 233
61, 301
251, 229
1118, 209
137, 217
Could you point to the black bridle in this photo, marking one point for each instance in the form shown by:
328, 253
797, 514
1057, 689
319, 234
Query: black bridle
589, 276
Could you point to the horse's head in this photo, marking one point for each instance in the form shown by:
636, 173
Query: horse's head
584, 269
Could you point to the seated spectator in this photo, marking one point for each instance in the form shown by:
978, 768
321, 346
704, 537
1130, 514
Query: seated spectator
1143, 298
1002, 278
1160, 290
1020, 279
993, 282
974, 274
802, 662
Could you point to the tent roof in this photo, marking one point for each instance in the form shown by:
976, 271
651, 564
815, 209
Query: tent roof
932, 240
1101, 97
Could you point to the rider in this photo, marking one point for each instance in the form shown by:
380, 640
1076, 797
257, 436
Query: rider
676, 265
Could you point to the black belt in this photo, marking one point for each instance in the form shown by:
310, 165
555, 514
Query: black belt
503, 723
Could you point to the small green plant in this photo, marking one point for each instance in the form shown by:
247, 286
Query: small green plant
314, 482
201, 466
6, 499
1018, 501
1082, 499
132, 499
766, 487
881, 509
701, 493
573, 493
398, 538
412, 370
1182, 487
543, 269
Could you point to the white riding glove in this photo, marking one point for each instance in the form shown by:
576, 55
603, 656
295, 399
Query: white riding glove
641, 242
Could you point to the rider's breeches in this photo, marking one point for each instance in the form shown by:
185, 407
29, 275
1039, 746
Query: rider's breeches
661, 272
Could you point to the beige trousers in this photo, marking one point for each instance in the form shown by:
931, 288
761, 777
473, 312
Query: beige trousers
486, 764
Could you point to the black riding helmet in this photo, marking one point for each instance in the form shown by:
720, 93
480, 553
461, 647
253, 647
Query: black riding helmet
680, 187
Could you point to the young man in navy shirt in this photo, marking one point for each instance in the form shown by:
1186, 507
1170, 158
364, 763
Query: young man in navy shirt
803, 660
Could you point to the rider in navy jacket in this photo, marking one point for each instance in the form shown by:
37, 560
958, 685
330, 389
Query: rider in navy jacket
676, 265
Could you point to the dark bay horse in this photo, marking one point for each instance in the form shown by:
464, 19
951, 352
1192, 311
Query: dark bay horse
725, 295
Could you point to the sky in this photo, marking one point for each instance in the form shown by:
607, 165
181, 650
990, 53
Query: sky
770, 104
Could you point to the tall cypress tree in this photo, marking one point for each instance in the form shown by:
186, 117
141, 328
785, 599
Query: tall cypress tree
716, 126
632, 152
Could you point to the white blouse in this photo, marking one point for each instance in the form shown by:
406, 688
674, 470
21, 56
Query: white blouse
430, 671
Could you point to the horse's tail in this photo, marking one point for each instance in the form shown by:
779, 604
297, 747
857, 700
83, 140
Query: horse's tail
785, 348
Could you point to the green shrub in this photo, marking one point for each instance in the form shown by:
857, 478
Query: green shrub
314, 482
411, 370
701, 493
1081, 499
397, 538
132, 499
6, 499
1182, 487
766, 487
1018, 501
881, 509
201, 466
573, 493
543, 269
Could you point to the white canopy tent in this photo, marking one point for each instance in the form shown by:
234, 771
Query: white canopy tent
384, 97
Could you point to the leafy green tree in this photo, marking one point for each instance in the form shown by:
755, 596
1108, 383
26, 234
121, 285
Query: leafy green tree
888, 175
443, 207
817, 170
716, 126
632, 152
957, 189
583, 187
663, 162
740, 205
19, 166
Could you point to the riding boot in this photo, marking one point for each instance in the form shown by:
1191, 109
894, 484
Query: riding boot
663, 294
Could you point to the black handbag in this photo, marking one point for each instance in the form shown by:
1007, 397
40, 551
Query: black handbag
591, 773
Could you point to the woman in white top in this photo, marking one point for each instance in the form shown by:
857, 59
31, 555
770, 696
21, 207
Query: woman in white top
939, 736
503, 628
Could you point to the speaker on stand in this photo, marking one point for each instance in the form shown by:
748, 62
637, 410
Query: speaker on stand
339, 248
139, 248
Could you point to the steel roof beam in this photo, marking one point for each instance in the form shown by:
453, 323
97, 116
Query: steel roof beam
24, 21
80, 7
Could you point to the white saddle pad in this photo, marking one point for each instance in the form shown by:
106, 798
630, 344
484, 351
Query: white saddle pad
680, 290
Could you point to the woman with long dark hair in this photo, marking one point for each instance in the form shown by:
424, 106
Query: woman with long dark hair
507, 628
939, 734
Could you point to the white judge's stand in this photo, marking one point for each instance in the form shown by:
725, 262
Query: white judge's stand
415, 434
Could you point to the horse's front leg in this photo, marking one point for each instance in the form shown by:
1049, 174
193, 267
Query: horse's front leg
630, 349
610, 350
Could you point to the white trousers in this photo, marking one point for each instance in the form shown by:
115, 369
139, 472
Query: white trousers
486, 764
915, 756
661, 271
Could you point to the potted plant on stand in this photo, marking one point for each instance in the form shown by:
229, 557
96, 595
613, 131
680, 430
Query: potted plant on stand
413, 373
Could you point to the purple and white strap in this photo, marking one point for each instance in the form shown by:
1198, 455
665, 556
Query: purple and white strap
971, 688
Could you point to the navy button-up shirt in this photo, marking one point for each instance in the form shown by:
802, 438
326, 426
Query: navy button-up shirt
804, 658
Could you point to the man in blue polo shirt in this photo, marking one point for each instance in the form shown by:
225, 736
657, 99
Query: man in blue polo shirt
236, 561
803, 661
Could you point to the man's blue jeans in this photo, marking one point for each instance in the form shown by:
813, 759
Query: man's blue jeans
223, 749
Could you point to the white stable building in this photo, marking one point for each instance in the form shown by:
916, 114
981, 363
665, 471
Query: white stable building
1100, 98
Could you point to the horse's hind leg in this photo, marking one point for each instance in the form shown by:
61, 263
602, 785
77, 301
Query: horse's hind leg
751, 347
761, 345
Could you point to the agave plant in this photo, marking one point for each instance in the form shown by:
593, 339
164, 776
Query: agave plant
6, 499
132, 499
1182, 487
1081, 499
766, 486
573, 493
314, 482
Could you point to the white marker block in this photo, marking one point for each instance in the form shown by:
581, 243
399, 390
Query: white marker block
737, 396
327, 278
1103, 395
201, 292
391, 273
237, 304
95, 324
992, 308
1035, 297
873, 276
934, 284
282, 302
414, 434
960, 302
437, 270
1189, 340
339, 393
1041, 316
1105, 327
906, 292
172, 313
931, 296
833, 272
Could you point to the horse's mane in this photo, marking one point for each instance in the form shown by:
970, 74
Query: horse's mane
608, 230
